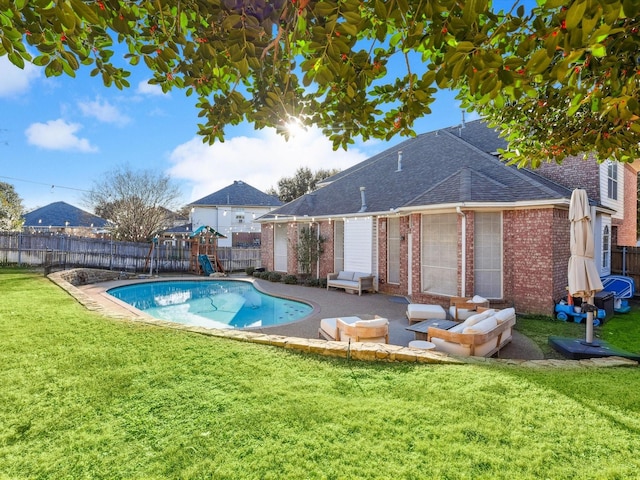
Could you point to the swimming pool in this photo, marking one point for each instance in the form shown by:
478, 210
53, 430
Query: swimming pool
211, 303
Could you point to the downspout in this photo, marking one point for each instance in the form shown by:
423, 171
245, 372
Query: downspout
317, 244
464, 251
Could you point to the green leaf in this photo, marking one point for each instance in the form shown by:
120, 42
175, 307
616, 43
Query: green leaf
576, 103
381, 9
575, 14
84, 11
16, 59
598, 50
539, 62
631, 8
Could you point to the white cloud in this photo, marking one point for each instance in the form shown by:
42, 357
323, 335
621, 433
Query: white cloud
103, 111
16, 81
145, 88
259, 161
58, 135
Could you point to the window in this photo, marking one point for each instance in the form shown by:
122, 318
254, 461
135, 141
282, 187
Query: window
338, 245
440, 254
606, 247
488, 255
393, 250
612, 180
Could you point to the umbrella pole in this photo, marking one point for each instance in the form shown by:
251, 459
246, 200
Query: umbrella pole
590, 309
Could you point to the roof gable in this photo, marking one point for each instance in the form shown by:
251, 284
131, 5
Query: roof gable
239, 194
57, 214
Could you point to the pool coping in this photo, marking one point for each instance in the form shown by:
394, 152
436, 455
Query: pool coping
93, 297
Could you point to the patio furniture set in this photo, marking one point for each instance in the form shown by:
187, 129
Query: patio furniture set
471, 327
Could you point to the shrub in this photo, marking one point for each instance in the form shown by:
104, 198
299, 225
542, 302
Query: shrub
274, 277
249, 270
311, 282
290, 279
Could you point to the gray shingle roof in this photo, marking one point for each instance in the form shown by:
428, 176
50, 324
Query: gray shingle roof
239, 194
58, 213
446, 166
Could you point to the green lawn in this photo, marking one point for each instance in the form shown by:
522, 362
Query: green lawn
82, 396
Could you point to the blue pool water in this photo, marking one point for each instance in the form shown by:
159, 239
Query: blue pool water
211, 303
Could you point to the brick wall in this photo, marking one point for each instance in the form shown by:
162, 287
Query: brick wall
266, 246
627, 234
402, 287
536, 256
292, 259
326, 259
574, 172
383, 245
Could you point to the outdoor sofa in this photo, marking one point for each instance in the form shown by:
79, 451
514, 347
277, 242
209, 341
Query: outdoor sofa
480, 335
351, 281
355, 329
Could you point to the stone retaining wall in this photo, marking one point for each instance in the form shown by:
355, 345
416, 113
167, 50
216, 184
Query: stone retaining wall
87, 276
354, 351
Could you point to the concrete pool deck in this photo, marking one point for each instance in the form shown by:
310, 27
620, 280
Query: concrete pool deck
303, 334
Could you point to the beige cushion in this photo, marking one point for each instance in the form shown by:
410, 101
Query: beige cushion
376, 322
505, 314
358, 275
342, 275
478, 299
463, 313
485, 326
458, 328
478, 317
328, 325
419, 311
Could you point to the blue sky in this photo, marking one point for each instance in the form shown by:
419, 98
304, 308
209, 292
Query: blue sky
58, 135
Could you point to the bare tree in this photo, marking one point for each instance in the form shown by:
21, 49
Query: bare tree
135, 202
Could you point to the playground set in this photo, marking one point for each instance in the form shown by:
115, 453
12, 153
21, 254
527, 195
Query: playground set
204, 251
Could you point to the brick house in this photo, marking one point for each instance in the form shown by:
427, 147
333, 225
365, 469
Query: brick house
440, 215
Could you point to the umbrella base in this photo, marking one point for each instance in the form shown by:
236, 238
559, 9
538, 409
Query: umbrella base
577, 349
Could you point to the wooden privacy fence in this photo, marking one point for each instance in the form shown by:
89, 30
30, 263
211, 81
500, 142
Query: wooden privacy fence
53, 251
626, 261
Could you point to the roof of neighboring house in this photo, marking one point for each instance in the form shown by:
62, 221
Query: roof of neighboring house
239, 194
449, 166
184, 228
58, 213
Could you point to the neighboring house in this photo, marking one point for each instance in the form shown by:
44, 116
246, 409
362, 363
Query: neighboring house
440, 215
232, 211
61, 217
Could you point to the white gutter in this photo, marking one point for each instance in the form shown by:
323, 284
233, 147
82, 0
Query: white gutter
464, 251
439, 208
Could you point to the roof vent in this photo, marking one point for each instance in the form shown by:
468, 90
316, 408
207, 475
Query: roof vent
363, 208
399, 161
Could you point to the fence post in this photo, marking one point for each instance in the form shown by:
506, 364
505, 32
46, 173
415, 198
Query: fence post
20, 249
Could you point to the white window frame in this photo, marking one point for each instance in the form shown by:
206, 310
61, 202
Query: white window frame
488, 255
439, 254
393, 250
612, 180
606, 247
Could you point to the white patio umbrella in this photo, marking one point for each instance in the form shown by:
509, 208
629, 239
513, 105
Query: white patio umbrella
584, 280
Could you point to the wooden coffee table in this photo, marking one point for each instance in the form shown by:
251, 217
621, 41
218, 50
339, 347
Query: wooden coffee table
420, 329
